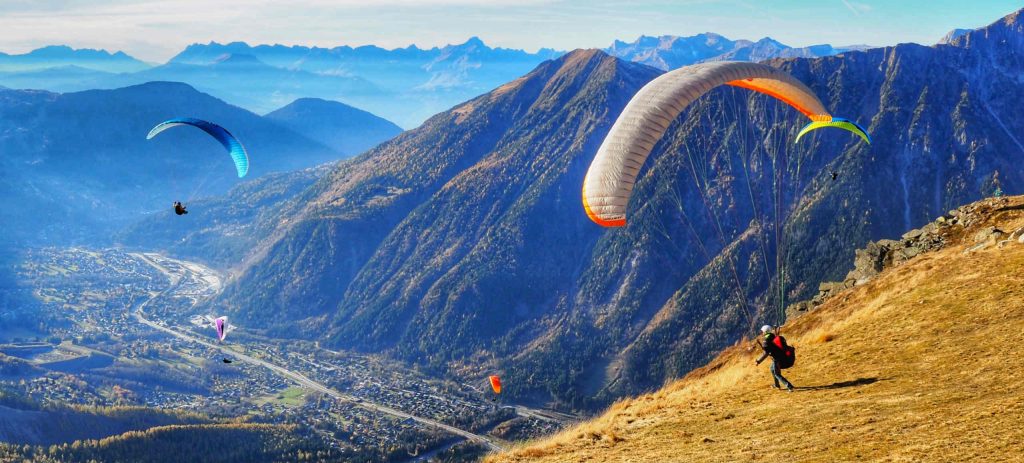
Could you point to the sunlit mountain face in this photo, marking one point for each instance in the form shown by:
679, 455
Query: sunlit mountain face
436, 246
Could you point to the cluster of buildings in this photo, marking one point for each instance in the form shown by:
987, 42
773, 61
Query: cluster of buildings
92, 296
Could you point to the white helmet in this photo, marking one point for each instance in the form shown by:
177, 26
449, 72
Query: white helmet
766, 328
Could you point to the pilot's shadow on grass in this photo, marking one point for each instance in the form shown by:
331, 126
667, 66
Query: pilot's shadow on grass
841, 384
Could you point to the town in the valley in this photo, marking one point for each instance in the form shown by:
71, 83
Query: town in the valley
114, 327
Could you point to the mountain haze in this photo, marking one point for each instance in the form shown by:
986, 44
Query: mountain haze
222, 229
245, 80
395, 70
405, 85
78, 165
345, 129
62, 55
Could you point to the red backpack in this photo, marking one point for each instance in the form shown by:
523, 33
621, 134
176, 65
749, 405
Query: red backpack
788, 352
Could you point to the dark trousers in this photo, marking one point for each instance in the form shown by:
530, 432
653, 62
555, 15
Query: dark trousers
777, 374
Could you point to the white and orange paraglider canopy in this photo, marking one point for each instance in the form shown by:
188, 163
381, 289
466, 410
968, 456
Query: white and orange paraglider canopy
610, 179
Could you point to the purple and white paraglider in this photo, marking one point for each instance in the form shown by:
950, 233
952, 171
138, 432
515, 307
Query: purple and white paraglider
221, 325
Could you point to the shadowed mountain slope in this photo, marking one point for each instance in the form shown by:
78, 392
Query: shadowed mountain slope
345, 129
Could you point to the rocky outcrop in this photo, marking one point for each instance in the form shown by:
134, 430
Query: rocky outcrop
968, 225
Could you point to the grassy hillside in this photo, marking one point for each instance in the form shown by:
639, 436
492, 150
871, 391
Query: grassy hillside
920, 364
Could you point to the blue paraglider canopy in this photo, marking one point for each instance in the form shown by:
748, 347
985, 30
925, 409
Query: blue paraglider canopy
234, 147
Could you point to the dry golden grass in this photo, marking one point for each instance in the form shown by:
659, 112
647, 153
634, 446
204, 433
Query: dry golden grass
923, 364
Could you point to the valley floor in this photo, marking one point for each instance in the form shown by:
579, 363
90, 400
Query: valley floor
128, 324
921, 364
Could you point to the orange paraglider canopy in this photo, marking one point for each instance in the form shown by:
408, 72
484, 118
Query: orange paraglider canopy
496, 384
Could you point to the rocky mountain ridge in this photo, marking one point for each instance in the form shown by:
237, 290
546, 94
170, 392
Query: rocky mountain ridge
63, 56
404, 85
948, 228
670, 52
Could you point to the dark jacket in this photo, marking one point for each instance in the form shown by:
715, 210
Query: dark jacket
768, 344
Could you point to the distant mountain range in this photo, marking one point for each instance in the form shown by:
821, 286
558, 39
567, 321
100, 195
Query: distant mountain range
64, 56
670, 52
404, 85
462, 246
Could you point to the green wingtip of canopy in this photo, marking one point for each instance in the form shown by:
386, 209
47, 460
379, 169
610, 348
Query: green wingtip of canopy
837, 123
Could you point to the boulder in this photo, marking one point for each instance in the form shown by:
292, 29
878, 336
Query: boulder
870, 261
799, 308
880, 255
1014, 235
988, 235
831, 287
912, 234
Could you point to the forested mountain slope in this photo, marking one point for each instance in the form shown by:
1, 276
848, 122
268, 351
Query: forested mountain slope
462, 245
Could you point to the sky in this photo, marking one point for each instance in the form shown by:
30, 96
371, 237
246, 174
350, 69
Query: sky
156, 30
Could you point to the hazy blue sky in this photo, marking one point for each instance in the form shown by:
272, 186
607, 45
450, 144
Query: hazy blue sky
155, 30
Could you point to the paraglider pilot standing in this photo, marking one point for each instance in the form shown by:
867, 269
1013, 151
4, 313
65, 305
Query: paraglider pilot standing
782, 356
